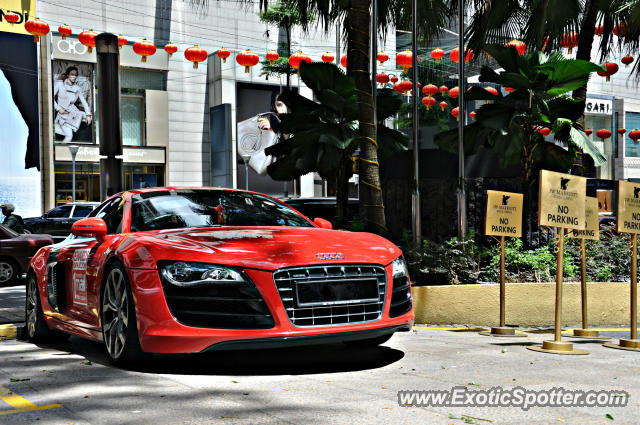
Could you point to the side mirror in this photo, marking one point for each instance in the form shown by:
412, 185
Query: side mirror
90, 227
322, 223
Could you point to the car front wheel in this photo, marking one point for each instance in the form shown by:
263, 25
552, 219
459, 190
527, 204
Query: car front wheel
119, 330
8, 270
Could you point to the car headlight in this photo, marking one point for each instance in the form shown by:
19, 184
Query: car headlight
400, 268
182, 273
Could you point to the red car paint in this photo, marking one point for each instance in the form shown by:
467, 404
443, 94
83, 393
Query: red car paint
258, 251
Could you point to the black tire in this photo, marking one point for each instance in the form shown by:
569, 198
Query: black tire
370, 342
9, 271
37, 329
118, 319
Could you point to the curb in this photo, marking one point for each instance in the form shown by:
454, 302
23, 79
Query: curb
11, 331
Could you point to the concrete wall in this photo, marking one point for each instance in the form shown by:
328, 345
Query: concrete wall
527, 304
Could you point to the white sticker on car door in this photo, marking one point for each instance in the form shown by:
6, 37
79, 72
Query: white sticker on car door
79, 276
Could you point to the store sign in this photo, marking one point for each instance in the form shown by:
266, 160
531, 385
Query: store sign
628, 219
91, 153
504, 214
562, 200
71, 49
592, 230
599, 107
24, 9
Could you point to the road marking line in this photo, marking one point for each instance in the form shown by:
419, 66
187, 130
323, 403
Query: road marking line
550, 330
8, 331
20, 404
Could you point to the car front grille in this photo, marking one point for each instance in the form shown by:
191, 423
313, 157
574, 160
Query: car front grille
223, 306
331, 312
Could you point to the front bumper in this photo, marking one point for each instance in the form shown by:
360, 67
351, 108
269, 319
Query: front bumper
160, 332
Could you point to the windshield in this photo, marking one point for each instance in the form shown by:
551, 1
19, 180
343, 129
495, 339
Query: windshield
204, 208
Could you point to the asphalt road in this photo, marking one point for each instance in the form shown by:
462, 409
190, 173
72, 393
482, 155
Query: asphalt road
323, 385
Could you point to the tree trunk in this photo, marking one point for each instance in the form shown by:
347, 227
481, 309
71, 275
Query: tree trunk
583, 164
342, 192
358, 67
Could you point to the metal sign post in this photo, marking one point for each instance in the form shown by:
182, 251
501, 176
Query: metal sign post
561, 205
503, 218
628, 220
592, 231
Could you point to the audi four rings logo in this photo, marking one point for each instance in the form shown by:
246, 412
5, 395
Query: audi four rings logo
330, 256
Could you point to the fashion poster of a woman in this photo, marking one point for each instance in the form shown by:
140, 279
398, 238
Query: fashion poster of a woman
73, 101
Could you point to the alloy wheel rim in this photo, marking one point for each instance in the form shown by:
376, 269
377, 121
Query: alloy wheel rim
6, 272
115, 318
32, 293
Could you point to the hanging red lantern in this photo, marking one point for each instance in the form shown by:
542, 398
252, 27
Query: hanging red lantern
443, 90
403, 86
393, 79
437, 54
343, 61
598, 30
11, 17
509, 89
545, 131
64, 30
247, 59
382, 57
37, 28
455, 55
428, 102
443, 105
520, 46
430, 90
197, 54
296, 59
328, 57
472, 114
405, 60
122, 41
272, 56
170, 48
588, 132
382, 79
634, 135
621, 131
223, 54
569, 41
144, 48
612, 68
88, 38
456, 112
491, 90
454, 92
603, 134
621, 29
626, 60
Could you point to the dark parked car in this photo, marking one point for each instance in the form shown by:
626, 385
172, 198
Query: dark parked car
16, 251
323, 208
58, 221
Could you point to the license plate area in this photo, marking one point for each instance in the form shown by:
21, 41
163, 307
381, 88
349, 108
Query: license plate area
335, 292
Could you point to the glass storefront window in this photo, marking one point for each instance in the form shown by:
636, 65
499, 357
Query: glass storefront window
632, 121
595, 123
132, 120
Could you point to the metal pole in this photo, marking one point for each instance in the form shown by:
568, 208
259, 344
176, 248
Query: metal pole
74, 151
634, 287
502, 286
246, 174
583, 270
417, 218
374, 63
559, 276
461, 189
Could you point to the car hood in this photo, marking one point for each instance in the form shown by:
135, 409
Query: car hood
266, 248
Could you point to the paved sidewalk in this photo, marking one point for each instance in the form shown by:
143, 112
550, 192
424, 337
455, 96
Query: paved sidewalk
12, 304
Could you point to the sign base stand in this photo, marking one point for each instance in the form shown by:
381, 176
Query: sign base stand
626, 344
503, 331
587, 334
558, 347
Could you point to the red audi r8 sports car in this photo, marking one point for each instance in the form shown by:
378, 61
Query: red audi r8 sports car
183, 270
